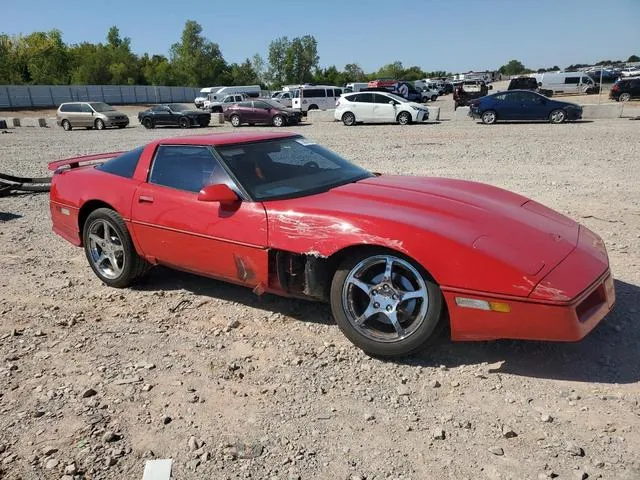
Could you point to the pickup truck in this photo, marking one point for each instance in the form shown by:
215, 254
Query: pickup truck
467, 90
528, 83
220, 106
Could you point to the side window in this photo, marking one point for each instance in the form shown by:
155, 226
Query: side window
337, 92
262, 105
365, 98
572, 80
500, 97
377, 98
314, 93
85, 108
65, 107
124, 165
187, 168
246, 104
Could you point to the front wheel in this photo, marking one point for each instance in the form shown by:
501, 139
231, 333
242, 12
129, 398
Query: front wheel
148, 123
235, 120
99, 124
557, 116
278, 121
349, 119
66, 125
489, 117
385, 303
404, 118
184, 122
109, 249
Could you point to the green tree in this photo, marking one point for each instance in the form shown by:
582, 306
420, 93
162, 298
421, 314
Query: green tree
301, 59
257, 62
244, 74
277, 59
46, 58
330, 76
392, 70
13, 66
90, 64
513, 67
633, 59
156, 70
196, 61
354, 73
413, 73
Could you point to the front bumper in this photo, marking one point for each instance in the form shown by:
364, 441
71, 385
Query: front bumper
117, 122
422, 115
579, 293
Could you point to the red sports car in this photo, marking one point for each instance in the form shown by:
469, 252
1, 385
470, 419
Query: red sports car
395, 256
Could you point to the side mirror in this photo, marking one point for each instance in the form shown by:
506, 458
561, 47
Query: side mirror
391, 102
218, 193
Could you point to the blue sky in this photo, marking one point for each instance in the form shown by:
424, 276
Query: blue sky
452, 35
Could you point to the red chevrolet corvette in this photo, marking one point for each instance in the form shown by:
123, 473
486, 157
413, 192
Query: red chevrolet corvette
395, 256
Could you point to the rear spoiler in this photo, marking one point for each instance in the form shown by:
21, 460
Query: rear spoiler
75, 162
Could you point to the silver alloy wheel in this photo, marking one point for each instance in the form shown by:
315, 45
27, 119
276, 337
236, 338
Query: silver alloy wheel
385, 298
404, 118
625, 97
66, 125
99, 124
348, 119
235, 121
278, 121
557, 116
489, 117
106, 249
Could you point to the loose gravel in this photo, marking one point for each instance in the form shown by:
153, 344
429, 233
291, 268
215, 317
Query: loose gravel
94, 380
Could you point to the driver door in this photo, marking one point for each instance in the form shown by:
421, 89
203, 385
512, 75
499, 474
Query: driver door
174, 228
383, 111
162, 115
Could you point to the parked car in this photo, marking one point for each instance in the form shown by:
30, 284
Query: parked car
625, 89
630, 72
90, 115
382, 82
261, 111
285, 98
466, 91
447, 88
429, 93
315, 97
528, 83
378, 107
523, 105
395, 256
175, 115
608, 76
219, 106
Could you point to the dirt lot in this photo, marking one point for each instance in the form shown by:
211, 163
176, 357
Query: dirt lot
94, 380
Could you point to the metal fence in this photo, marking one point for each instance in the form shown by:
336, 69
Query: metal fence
42, 96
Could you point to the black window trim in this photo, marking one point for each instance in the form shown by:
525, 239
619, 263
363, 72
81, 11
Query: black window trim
239, 190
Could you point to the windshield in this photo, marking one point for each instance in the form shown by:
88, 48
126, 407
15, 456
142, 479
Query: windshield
288, 168
102, 107
178, 107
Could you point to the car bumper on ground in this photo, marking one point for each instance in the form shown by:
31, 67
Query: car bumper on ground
581, 284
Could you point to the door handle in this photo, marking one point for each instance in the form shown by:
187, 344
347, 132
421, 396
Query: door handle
145, 199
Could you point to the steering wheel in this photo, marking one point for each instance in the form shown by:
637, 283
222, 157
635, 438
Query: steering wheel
311, 164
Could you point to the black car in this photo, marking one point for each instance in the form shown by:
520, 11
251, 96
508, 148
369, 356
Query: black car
465, 91
174, 114
625, 89
528, 83
403, 89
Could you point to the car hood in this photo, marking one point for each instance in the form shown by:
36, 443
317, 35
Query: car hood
114, 113
494, 229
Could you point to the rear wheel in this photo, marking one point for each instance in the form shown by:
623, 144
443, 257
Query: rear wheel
434, 98
625, 97
313, 107
349, 119
557, 116
66, 125
235, 120
385, 303
184, 122
109, 249
99, 124
489, 117
278, 121
148, 123
404, 118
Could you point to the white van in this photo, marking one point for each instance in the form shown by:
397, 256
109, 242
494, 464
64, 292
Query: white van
315, 97
204, 95
355, 87
566, 82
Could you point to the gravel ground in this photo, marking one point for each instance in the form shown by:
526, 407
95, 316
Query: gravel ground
94, 381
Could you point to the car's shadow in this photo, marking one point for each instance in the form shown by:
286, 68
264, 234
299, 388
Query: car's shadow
6, 216
609, 354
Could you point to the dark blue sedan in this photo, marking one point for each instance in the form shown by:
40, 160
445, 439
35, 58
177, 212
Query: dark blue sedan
523, 105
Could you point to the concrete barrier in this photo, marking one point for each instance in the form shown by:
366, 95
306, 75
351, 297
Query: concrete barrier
606, 110
51, 122
33, 122
10, 122
462, 113
320, 115
217, 119
434, 114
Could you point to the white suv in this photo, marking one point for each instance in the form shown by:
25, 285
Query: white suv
378, 107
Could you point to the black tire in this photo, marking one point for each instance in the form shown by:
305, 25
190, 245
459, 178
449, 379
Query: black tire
133, 268
434, 98
235, 120
489, 117
66, 125
99, 124
148, 123
426, 330
184, 122
404, 118
557, 116
624, 97
278, 121
349, 119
